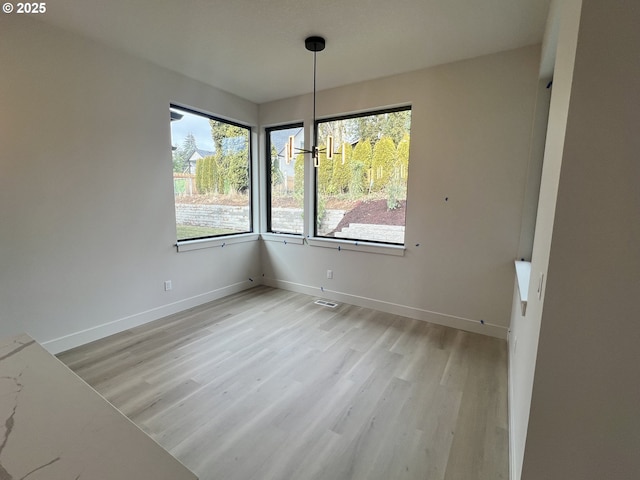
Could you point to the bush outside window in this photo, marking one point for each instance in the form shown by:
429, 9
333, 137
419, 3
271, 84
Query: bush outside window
361, 193
285, 184
211, 175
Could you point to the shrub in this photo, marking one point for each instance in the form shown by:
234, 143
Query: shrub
384, 158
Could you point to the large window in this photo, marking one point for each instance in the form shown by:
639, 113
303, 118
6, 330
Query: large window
285, 171
361, 193
211, 175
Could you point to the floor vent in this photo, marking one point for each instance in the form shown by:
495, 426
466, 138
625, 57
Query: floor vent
326, 303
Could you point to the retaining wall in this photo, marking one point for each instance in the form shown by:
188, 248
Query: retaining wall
237, 217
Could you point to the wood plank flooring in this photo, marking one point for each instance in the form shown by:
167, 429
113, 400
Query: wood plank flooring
266, 385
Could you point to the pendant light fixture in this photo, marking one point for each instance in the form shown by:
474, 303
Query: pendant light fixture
313, 44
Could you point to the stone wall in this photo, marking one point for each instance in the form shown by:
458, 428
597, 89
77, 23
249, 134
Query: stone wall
237, 217
284, 219
219, 216
330, 221
287, 220
376, 233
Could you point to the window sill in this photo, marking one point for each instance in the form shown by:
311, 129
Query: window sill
189, 245
365, 247
283, 238
523, 274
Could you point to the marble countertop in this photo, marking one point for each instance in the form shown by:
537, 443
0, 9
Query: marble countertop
54, 426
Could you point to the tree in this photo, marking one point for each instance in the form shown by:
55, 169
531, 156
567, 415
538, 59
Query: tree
183, 153
237, 173
342, 170
277, 177
374, 127
189, 146
298, 176
213, 174
367, 127
397, 187
361, 168
206, 175
384, 159
200, 176
228, 138
178, 161
396, 125
231, 143
209, 174
324, 171
402, 158
221, 168
357, 180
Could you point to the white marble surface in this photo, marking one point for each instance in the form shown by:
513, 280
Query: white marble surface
54, 426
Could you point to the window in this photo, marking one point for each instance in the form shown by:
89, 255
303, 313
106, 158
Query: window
285, 172
211, 175
361, 193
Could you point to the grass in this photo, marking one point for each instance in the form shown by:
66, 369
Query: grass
186, 232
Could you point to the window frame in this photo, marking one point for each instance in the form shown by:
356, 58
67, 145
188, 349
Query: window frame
268, 186
322, 239
205, 239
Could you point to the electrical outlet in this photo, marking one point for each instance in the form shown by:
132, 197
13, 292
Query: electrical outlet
329, 273
167, 285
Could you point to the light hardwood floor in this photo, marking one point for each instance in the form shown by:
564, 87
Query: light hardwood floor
264, 384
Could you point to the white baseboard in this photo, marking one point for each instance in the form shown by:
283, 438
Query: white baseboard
460, 323
512, 447
76, 339
82, 337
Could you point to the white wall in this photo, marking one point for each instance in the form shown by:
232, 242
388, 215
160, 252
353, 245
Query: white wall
584, 420
470, 137
534, 170
523, 344
86, 202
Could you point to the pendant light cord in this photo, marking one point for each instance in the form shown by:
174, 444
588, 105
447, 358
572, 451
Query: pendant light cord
314, 44
314, 102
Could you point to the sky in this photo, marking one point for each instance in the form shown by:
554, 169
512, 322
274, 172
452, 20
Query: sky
195, 124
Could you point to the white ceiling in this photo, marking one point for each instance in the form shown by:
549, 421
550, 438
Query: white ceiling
255, 48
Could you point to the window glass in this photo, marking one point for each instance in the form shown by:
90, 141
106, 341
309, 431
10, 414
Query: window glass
361, 186
285, 171
211, 175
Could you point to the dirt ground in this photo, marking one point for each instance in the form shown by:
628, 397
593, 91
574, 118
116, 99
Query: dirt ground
374, 212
